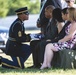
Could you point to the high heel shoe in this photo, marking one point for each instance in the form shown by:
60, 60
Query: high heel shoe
43, 67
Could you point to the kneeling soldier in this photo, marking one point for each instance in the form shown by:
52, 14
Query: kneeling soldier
19, 52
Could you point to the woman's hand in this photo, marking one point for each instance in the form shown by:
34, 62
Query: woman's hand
61, 40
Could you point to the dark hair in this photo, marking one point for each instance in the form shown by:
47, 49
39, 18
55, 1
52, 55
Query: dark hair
57, 14
50, 7
64, 11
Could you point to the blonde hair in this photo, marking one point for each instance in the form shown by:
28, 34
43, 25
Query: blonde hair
72, 13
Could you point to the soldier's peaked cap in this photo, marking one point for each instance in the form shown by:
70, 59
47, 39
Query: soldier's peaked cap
21, 10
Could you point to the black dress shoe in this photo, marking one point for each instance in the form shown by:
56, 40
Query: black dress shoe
0, 59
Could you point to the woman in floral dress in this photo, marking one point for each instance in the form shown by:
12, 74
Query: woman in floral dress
66, 43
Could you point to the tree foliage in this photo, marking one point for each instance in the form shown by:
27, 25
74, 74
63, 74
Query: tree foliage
7, 7
3, 8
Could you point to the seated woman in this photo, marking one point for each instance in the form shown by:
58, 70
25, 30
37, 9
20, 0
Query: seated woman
66, 43
51, 32
57, 15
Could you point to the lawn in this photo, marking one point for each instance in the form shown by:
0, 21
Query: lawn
33, 71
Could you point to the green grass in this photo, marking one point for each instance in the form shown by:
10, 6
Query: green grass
27, 71
33, 71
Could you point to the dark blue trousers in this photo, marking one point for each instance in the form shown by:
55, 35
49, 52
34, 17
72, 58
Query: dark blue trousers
17, 62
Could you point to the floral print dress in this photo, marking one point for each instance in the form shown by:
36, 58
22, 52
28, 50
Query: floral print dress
68, 44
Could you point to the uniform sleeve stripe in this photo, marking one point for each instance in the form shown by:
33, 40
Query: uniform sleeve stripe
15, 24
19, 62
10, 66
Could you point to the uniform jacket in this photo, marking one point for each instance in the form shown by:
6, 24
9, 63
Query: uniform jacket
16, 37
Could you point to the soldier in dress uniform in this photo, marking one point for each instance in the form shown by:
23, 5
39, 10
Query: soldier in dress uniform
19, 52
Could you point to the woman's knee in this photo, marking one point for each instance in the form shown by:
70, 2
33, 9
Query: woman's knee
49, 45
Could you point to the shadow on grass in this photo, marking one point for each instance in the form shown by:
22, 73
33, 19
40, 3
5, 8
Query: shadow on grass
26, 70
35, 71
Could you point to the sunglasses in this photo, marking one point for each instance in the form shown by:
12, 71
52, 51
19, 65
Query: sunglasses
26, 13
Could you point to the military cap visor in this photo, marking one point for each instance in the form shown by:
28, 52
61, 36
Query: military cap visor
22, 10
